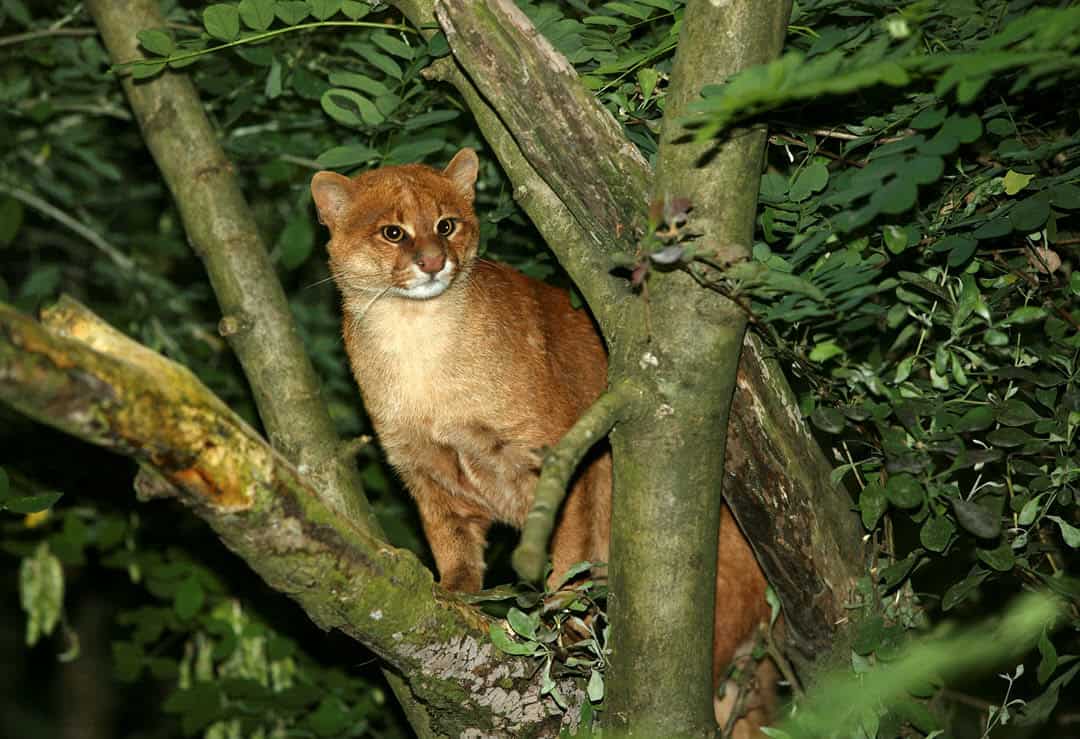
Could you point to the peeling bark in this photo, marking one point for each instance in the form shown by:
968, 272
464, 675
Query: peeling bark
777, 484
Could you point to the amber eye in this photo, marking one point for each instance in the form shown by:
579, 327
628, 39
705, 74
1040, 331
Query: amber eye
445, 226
393, 233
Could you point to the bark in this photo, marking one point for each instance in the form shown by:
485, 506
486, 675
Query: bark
256, 319
815, 558
78, 374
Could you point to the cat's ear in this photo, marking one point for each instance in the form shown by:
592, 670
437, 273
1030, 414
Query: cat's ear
332, 193
462, 171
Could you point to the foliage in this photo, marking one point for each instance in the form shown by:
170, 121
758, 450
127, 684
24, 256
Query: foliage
564, 627
913, 266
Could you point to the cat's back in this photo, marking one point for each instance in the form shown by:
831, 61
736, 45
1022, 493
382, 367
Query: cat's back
535, 325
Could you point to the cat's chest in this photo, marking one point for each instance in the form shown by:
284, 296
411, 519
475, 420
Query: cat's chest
409, 367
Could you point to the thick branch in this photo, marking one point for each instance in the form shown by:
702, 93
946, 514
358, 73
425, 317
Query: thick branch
93, 382
800, 524
222, 230
532, 551
565, 134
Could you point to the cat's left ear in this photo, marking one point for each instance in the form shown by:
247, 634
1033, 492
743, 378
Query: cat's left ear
462, 171
332, 193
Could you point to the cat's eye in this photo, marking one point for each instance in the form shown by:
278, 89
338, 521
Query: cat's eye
393, 233
445, 226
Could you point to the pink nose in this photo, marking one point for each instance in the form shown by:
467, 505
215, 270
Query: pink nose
431, 263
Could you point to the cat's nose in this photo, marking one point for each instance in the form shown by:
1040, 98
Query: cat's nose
430, 263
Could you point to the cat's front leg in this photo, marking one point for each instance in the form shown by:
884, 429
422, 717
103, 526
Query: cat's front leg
456, 530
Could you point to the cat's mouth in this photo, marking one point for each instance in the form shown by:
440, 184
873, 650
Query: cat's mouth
424, 286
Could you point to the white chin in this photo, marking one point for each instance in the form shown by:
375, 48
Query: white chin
423, 291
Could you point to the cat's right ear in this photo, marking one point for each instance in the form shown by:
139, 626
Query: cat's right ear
332, 193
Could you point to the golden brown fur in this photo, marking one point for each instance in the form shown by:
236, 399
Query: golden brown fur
468, 369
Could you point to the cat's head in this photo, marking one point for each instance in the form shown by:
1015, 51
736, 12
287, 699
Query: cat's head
408, 230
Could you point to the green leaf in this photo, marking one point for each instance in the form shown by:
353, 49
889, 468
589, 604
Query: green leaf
872, 504
824, 351
1048, 658
393, 45
1031, 213
896, 197
1000, 558
359, 82
273, 87
346, 156
41, 592
895, 574
11, 219
1069, 533
1030, 511
929, 118
156, 41
257, 15
189, 598
524, 625
1025, 314
1015, 412
323, 9
896, 238
1065, 196
355, 10
222, 21
145, 71
595, 688
936, 533
868, 635
960, 592
905, 491
5, 484
828, 419
31, 503
296, 241
1015, 182
351, 108
812, 179
503, 642
975, 519
292, 12
329, 719
1009, 437
966, 128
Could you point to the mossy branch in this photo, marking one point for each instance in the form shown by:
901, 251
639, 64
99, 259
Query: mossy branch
80, 375
531, 554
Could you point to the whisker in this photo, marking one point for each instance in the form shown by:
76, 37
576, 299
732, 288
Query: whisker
318, 282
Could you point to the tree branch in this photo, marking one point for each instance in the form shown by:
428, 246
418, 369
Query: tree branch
222, 230
800, 524
80, 375
559, 465
555, 119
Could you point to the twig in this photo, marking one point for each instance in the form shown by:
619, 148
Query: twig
612, 406
51, 211
817, 150
20, 38
782, 663
352, 447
